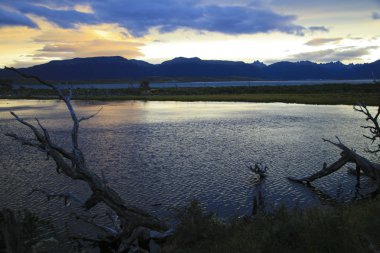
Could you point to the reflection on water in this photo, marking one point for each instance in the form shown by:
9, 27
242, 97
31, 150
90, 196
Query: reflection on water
161, 155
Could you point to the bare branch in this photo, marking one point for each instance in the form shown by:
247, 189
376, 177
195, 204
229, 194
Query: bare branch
35, 78
91, 116
338, 144
67, 196
52, 145
374, 128
76, 168
347, 156
46, 133
37, 134
27, 142
44, 140
92, 201
66, 99
103, 228
114, 219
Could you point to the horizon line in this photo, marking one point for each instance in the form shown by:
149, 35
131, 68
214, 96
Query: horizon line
196, 57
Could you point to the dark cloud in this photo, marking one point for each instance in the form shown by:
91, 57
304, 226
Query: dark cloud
61, 15
329, 55
165, 15
326, 5
376, 15
322, 41
318, 29
13, 18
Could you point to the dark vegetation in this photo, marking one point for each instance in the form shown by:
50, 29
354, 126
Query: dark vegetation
22, 231
342, 228
309, 94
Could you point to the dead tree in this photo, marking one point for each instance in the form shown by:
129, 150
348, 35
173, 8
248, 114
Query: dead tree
348, 155
363, 165
373, 127
72, 163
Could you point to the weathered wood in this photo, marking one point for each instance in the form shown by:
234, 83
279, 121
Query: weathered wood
72, 163
370, 169
363, 166
348, 155
373, 128
325, 171
259, 169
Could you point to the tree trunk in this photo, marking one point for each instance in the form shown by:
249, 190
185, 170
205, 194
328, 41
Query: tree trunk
72, 163
369, 169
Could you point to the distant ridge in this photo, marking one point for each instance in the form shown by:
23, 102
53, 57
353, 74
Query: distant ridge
119, 68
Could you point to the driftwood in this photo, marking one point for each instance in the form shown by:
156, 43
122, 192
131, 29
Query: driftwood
373, 128
347, 156
259, 169
72, 163
363, 166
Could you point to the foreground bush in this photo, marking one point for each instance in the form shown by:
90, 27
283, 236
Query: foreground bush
21, 231
352, 228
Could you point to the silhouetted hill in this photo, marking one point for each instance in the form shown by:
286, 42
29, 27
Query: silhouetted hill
119, 68
91, 69
296, 71
195, 67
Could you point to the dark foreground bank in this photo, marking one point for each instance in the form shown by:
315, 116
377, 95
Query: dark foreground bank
351, 227
343, 228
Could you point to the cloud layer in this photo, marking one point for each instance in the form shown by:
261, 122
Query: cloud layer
138, 17
322, 41
338, 54
318, 29
13, 18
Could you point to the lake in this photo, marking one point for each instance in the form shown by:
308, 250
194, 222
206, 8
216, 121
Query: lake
161, 155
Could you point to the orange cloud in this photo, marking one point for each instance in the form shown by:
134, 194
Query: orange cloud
89, 49
20, 46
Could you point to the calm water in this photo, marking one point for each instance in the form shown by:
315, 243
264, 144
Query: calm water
169, 153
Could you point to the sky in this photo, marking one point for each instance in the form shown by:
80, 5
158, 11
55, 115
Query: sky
38, 31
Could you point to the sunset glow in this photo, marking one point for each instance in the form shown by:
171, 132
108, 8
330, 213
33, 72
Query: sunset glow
35, 32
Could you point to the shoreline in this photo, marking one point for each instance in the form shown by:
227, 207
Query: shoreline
337, 94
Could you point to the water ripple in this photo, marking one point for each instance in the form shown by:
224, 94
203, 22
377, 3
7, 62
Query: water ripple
161, 155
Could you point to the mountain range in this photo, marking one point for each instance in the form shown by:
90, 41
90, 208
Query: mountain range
119, 68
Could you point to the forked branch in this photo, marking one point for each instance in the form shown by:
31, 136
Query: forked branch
65, 98
72, 164
348, 155
373, 128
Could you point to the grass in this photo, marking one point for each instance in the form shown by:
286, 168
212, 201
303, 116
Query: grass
352, 228
311, 94
23, 227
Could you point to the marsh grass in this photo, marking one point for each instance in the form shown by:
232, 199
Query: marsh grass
308, 94
22, 227
344, 228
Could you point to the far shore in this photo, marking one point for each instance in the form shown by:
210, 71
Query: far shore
331, 94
